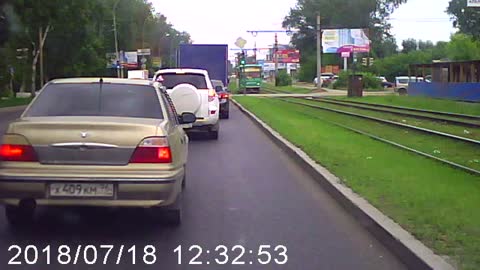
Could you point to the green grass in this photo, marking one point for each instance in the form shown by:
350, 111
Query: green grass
467, 132
422, 103
14, 102
289, 89
233, 86
436, 203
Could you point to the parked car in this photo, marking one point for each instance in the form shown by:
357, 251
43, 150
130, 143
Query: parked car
325, 79
224, 97
95, 142
385, 83
401, 83
192, 91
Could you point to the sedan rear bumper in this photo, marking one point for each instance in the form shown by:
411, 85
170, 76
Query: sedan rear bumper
128, 192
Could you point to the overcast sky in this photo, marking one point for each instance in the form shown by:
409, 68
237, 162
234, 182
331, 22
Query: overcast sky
223, 21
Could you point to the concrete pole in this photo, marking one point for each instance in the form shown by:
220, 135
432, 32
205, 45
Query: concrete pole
319, 53
275, 50
345, 63
116, 37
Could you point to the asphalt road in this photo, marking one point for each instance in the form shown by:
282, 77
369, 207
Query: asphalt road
242, 190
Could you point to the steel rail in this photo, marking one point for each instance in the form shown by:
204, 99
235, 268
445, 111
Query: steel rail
372, 107
455, 137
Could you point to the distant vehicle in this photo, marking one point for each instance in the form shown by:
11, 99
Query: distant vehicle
210, 57
401, 83
98, 143
385, 83
326, 79
224, 97
252, 78
192, 91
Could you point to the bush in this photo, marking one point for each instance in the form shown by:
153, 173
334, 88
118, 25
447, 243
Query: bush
283, 79
342, 81
370, 81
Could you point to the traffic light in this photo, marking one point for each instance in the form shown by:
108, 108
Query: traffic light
370, 62
242, 59
364, 61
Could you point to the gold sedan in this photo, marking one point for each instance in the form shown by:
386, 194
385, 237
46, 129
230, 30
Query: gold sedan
95, 142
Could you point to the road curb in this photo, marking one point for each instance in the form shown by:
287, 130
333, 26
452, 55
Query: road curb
413, 253
12, 108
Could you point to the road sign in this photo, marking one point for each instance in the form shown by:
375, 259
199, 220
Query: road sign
142, 52
143, 60
473, 3
240, 42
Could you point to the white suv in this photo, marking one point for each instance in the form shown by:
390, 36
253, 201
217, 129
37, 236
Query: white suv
191, 91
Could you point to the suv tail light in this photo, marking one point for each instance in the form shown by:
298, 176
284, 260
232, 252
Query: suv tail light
152, 150
211, 95
17, 152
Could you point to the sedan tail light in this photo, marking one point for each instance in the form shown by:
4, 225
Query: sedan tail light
17, 152
152, 150
224, 96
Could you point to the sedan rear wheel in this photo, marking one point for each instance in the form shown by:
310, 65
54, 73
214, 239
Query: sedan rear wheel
19, 216
172, 215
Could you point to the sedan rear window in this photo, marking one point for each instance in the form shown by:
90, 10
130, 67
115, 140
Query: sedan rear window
89, 99
170, 80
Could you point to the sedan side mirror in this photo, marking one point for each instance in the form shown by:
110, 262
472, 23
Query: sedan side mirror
187, 118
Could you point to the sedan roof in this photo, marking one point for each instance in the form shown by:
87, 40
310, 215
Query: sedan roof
105, 80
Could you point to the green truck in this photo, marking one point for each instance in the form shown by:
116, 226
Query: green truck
251, 77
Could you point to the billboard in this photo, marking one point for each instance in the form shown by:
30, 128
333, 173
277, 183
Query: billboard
288, 56
130, 59
345, 40
473, 3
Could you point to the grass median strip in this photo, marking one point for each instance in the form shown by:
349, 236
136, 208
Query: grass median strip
11, 102
289, 89
459, 152
467, 132
435, 202
423, 103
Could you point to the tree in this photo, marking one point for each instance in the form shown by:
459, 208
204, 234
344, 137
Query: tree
425, 45
463, 48
409, 45
466, 19
77, 46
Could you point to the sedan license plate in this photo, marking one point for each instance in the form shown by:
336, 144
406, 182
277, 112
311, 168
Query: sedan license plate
81, 190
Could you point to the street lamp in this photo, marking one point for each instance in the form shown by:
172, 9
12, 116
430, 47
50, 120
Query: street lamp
172, 39
115, 33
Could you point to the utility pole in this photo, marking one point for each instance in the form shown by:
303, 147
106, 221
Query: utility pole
40, 36
116, 37
319, 53
275, 49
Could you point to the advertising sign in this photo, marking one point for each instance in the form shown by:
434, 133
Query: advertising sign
345, 40
473, 3
130, 59
141, 52
288, 56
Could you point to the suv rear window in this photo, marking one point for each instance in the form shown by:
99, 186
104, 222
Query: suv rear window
170, 80
88, 99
